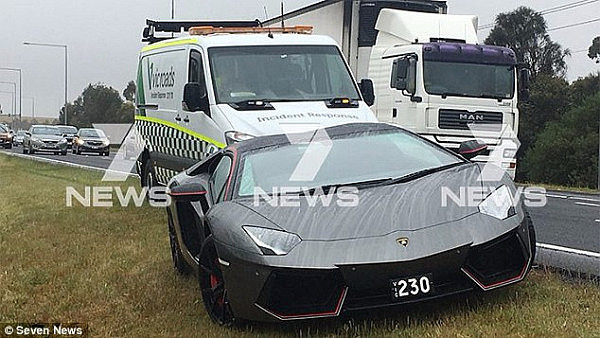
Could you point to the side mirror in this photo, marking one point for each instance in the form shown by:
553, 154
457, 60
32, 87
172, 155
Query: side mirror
189, 192
65, 135
400, 73
27, 133
524, 83
195, 98
368, 91
472, 148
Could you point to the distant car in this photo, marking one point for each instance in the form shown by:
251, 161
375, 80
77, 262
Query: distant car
6, 137
42, 138
92, 141
69, 133
19, 137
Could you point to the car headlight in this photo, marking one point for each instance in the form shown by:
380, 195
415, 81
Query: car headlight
106, 142
272, 242
64, 140
35, 139
232, 137
498, 204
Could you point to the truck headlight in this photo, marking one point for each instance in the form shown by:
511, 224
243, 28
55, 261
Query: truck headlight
272, 242
235, 136
498, 204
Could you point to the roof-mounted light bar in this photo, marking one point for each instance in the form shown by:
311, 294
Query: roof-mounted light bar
206, 30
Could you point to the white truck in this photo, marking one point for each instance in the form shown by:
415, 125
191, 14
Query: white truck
430, 74
217, 83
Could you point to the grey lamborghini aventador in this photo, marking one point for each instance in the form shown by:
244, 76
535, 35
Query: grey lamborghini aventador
350, 217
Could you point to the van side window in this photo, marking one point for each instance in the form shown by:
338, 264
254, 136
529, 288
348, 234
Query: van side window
196, 72
218, 179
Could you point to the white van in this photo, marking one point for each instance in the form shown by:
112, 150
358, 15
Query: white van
225, 83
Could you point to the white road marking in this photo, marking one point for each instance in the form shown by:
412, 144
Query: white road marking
588, 204
69, 164
569, 250
598, 221
557, 196
584, 199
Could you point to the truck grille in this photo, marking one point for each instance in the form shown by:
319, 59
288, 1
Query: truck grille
461, 119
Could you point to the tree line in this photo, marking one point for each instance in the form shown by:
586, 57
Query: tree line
559, 121
99, 103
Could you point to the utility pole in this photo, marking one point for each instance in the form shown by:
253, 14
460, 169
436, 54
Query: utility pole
66, 69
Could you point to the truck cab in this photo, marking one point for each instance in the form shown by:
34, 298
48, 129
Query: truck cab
431, 76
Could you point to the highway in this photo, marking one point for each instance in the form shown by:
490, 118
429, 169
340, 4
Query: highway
570, 220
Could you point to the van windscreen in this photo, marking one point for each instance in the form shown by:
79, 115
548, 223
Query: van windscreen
280, 73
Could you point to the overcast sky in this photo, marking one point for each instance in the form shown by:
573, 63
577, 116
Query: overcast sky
104, 38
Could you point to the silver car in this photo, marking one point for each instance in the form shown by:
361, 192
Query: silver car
42, 138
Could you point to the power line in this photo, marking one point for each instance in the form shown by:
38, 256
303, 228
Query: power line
573, 25
551, 10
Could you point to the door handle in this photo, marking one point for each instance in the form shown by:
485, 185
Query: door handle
178, 118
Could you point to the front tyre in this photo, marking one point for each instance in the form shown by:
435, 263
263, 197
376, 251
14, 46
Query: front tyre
212, 284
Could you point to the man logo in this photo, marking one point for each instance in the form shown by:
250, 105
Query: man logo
471, 118
402, 241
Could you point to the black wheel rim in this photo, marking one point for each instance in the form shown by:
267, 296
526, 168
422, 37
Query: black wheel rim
212, 284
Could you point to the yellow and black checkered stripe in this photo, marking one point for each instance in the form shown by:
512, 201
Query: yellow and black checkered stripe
172, 139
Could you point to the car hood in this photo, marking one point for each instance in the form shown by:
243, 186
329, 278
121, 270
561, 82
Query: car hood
93, 138
48, 137
380, 210
305, 115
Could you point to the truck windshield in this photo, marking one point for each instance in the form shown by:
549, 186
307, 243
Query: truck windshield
280, 73
469, 79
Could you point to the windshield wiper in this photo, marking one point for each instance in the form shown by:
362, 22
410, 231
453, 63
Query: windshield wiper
252, 104
423, 173
497, 96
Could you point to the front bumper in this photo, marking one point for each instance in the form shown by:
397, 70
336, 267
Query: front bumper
6, 141
275, 292
95, 148
49, 146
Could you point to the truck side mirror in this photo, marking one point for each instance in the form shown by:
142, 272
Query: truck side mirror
195, 98
399, 74
404, 74
368, 91
524, 83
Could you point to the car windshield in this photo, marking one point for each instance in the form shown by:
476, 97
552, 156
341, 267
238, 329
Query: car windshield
91, 133
280, 73
383, 155
21, 133
46, 131
3, 129
469, 79
68, 130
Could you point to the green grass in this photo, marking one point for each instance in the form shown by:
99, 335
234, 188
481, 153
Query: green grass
555, 187
110, 268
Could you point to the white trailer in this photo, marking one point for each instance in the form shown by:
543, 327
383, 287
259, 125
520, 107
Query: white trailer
430, 73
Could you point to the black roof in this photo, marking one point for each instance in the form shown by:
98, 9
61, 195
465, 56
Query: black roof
334, 132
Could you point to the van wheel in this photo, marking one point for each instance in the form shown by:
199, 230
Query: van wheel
149, 179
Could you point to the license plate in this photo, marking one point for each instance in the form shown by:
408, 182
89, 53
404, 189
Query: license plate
411, 287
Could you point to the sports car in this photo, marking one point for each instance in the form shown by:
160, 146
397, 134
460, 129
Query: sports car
345, 218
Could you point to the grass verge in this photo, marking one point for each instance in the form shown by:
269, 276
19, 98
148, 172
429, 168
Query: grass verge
110, 268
